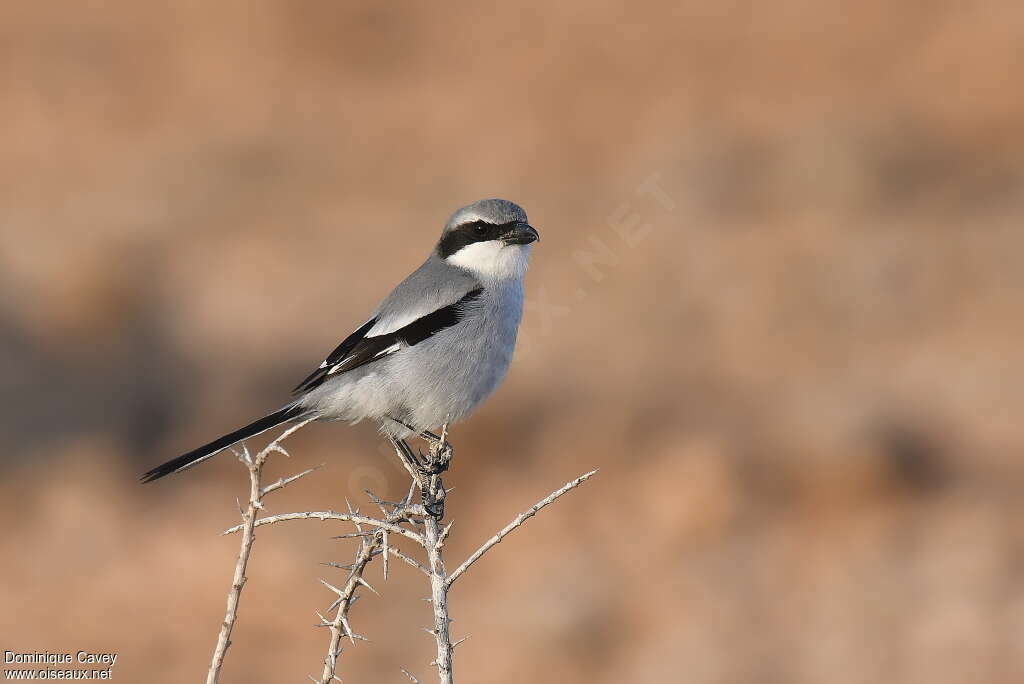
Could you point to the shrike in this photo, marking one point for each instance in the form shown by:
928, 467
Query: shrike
435, 348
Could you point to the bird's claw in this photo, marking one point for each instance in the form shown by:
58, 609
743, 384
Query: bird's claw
435, 507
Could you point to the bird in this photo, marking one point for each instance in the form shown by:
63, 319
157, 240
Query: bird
435, 348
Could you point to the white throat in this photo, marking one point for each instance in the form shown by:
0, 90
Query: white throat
493, 260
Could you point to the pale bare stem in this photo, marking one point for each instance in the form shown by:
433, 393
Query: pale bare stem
334, 515
421, 522
410, 561
276, 444
339, 627
439, 601
432, 493
256, 493
285, 481
369, 546
519, 520
425, 473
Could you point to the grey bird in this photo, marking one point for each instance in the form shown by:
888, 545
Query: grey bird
435, 348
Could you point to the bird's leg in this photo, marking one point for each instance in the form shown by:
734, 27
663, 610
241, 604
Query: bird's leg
421, 468
441, 453
438, 458
441, 450
435, 441
409, 459
434, 506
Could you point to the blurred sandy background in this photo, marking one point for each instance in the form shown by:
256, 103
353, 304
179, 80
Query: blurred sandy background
777, 301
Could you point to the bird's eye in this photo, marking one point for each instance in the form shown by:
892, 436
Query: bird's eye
480, 228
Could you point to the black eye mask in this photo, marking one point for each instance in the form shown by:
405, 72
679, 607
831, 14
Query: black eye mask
468, 233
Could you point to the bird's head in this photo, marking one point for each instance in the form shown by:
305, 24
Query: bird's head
491, 238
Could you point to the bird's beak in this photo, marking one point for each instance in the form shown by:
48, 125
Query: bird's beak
521, 234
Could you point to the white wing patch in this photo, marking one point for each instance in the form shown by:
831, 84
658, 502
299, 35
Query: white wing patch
344, 363
390, 350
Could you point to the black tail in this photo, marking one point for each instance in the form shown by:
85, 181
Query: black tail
207, 450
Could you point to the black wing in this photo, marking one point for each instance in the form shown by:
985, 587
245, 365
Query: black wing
358, 350
335, 357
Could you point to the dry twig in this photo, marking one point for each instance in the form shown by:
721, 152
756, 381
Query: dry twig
256, 494
335, 515
370, 545
373, 535
519, 520
339, 627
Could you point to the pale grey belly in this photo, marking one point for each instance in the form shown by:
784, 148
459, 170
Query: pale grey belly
446, 376
443, 378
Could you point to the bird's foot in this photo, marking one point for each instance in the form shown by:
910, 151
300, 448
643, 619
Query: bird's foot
441, 451
436, 460
426, 468
435, 505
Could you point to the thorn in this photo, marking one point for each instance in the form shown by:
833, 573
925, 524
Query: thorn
333, 588
361, 533
366, 584
348, 629
456, 644
340, 566
384, 535
381, 502
283, 482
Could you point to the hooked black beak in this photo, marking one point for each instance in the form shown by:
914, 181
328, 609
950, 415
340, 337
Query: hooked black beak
521, 234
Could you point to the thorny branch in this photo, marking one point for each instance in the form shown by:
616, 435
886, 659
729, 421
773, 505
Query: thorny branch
419, 522
369, 546
519, 520
256, 493
339, 626
426, 473
334, 515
